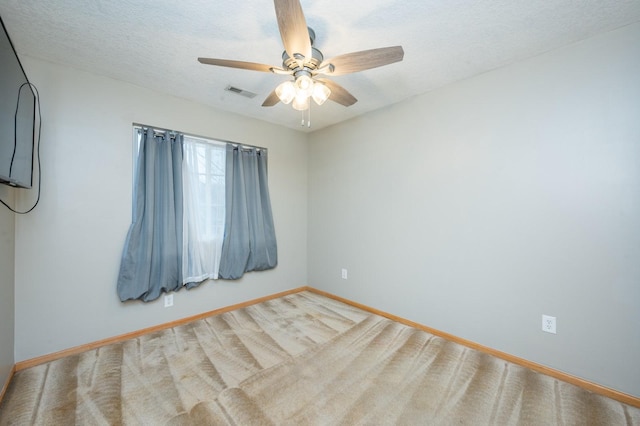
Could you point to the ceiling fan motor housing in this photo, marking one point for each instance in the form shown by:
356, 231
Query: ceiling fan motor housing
311, 63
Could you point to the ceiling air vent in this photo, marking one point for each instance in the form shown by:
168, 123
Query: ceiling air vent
240, 92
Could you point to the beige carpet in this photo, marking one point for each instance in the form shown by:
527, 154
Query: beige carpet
300, 359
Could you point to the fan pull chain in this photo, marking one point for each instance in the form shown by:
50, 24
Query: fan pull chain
308, 118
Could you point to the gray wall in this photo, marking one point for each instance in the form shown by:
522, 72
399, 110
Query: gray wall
476, 208
68, 250
7, 246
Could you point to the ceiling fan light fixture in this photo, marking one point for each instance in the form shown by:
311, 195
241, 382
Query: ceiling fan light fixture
286, 92
320, 93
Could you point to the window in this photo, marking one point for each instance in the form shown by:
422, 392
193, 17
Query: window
201, 211
203, 196
203, 176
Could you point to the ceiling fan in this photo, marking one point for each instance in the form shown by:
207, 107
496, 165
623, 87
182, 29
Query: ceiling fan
306, 64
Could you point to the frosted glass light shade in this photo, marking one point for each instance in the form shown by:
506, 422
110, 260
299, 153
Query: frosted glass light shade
320, 93
300, 102
304, 85
286, 92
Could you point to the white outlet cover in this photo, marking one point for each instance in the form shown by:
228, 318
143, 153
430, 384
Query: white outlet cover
549, 324
168, 300
344, 274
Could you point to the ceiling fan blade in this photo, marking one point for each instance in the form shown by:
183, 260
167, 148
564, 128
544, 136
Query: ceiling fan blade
338, 93
293, 28
271, 100
364, 60
252, 66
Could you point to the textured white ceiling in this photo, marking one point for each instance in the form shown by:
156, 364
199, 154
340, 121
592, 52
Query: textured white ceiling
155, 43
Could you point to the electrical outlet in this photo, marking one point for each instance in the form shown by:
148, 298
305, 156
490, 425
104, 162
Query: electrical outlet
549, 324
344, 274
168, 300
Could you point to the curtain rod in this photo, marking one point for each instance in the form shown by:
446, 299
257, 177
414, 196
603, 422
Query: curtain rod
163, 130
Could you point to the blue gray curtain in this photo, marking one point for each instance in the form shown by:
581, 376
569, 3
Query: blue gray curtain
249, 241
152, 257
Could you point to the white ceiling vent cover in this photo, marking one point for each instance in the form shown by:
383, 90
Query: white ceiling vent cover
241, 92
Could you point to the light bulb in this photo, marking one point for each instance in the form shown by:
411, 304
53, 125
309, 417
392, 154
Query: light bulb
286, 92
300, 102
320, 93
304, 84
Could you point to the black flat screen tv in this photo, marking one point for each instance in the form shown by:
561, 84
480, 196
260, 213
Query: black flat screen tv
17, 118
